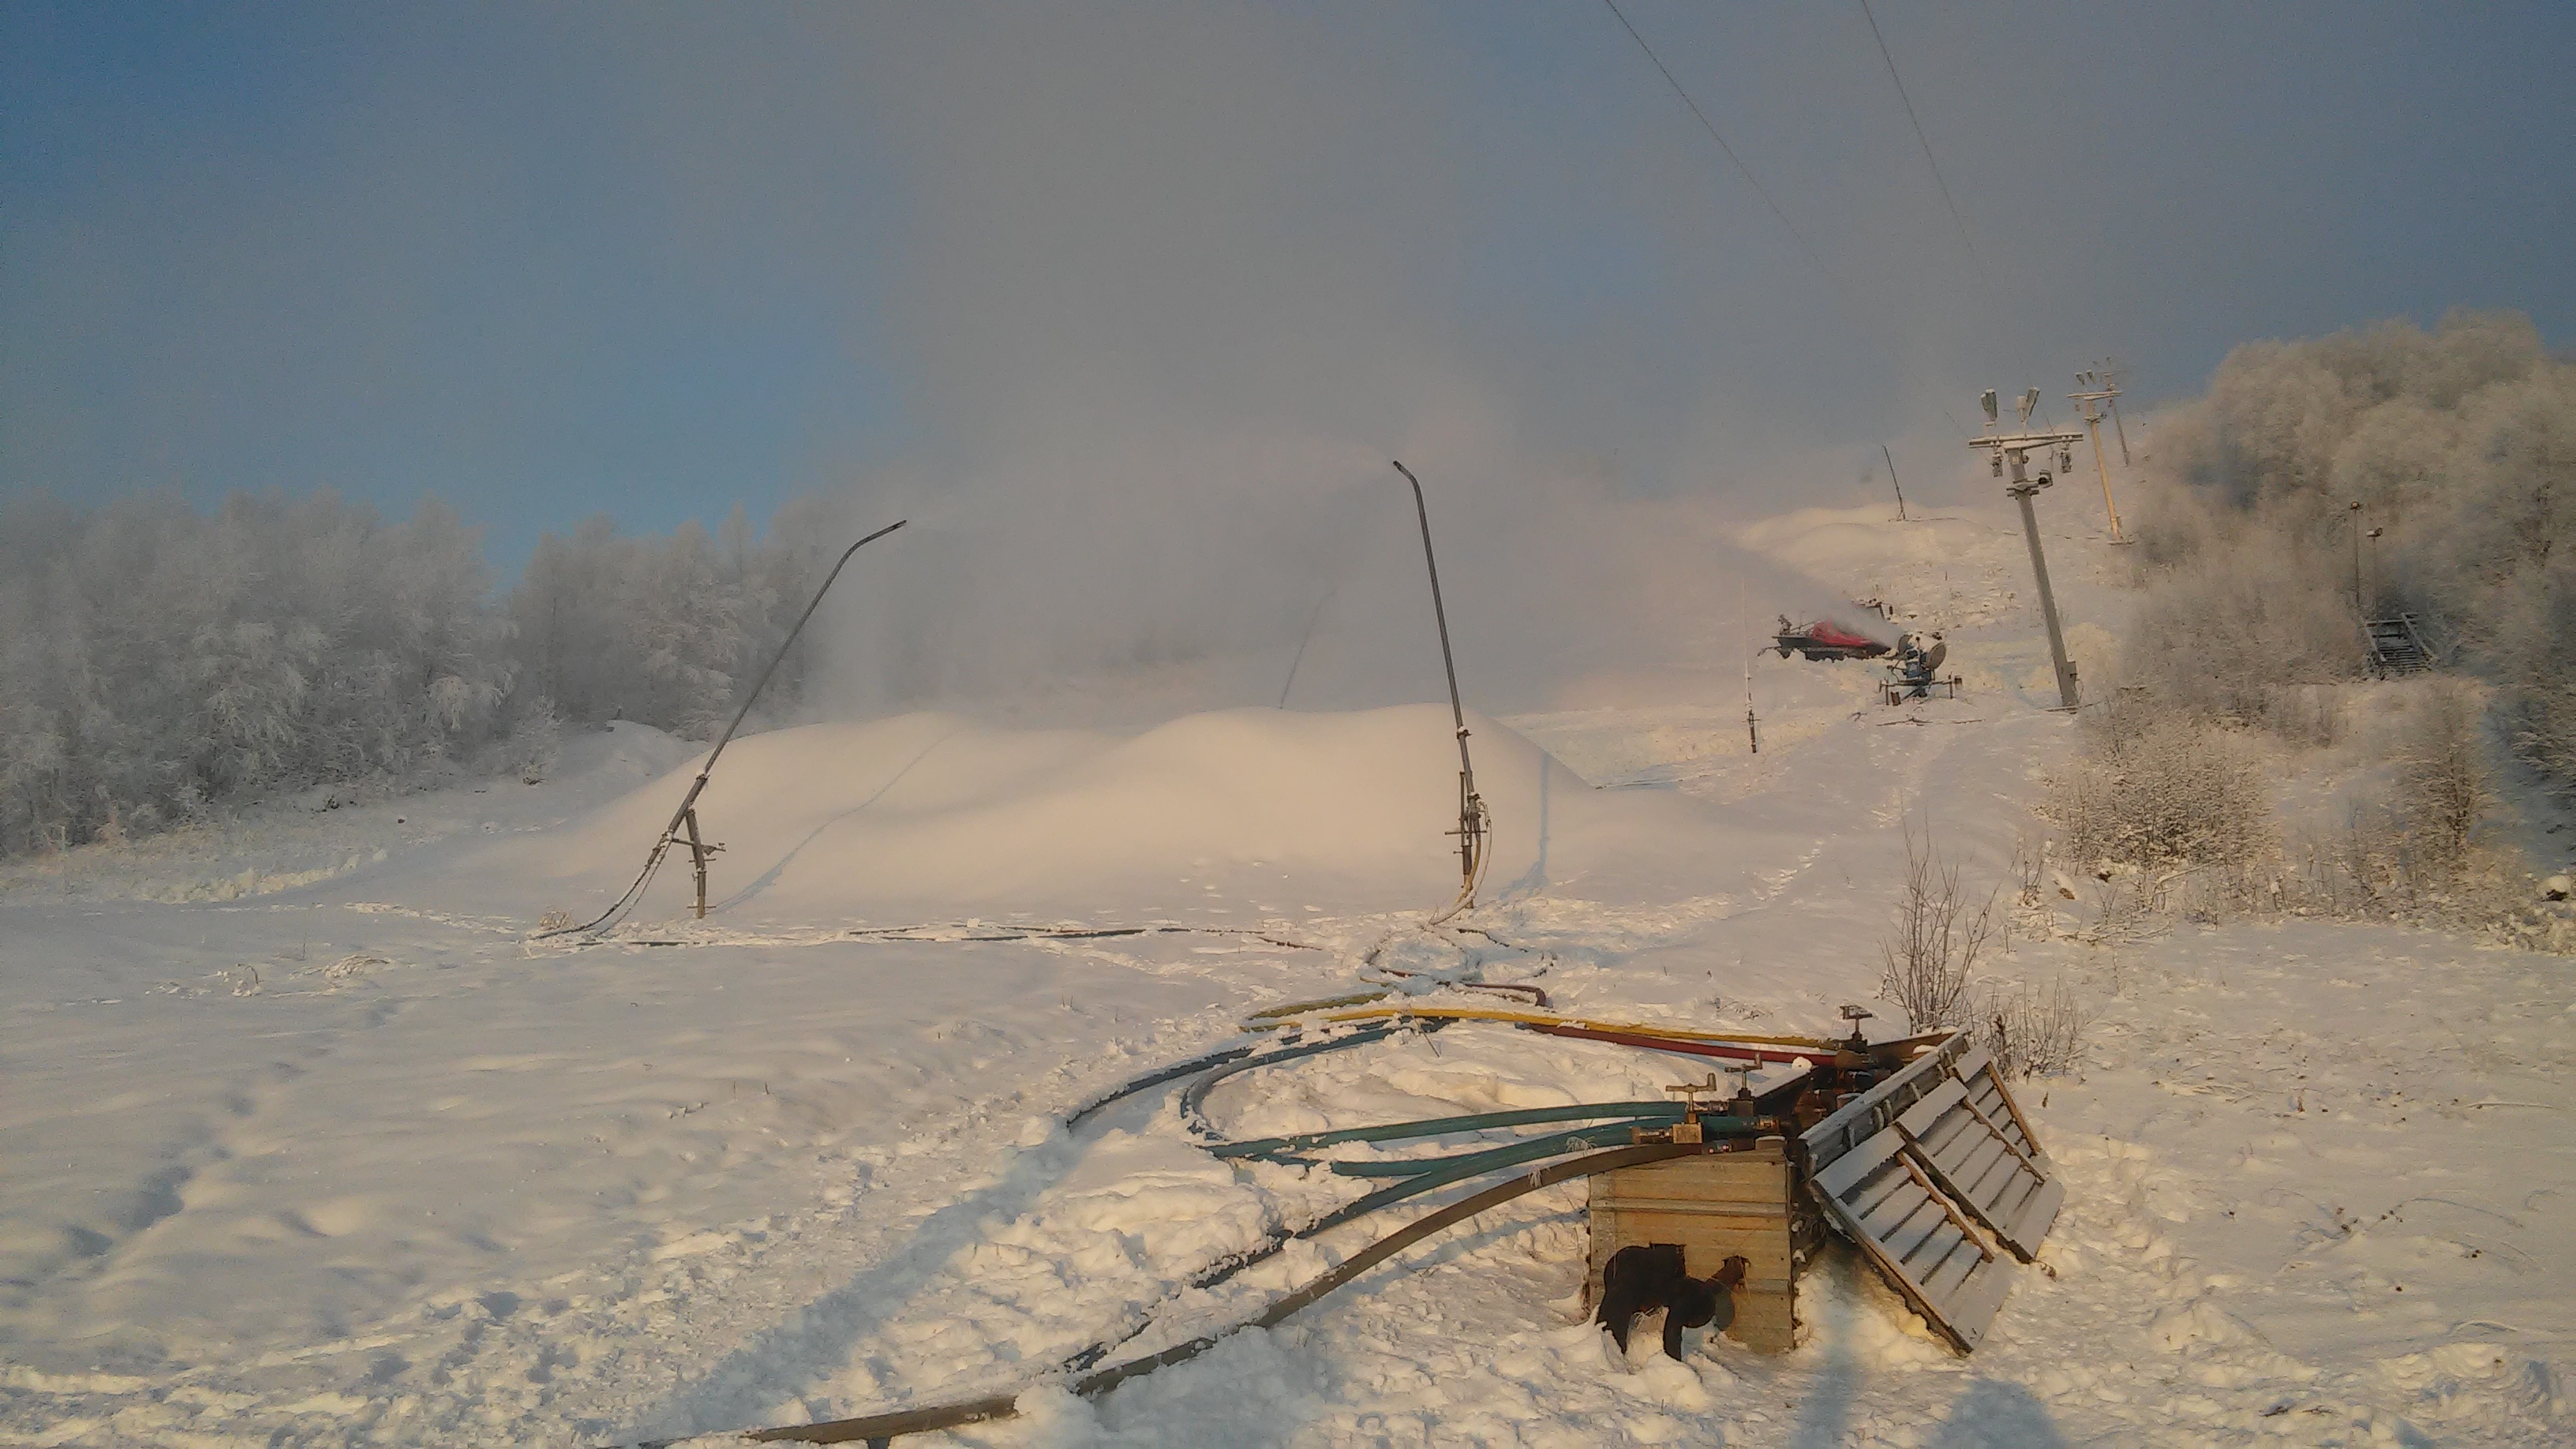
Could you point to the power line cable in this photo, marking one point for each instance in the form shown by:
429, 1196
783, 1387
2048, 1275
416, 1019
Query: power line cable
1925, 142
1806, 248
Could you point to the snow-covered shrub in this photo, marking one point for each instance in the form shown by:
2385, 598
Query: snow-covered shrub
528, 753
1941, 929
2538, 703
2033, 1030
2442, 774
2245, 632
156, 663
671, 632
2157, 789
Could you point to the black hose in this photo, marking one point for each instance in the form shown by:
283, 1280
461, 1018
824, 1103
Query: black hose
1195, 1096
1090, 1386
1155, 1078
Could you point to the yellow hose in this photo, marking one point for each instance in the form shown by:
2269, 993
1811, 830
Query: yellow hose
1478, 1013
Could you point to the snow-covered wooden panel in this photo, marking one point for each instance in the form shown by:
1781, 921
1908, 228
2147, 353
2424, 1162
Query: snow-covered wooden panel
1976, 1071
1929, 1172
1926, 1246
1873, 1111
1977, 1164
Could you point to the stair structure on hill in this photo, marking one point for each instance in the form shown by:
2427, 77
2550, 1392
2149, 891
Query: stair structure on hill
2397, 646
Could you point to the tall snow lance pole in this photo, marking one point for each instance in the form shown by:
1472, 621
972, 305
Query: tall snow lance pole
1752, 732
686, 817
1473, 822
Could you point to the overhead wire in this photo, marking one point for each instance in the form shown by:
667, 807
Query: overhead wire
1965, 240
1806, 247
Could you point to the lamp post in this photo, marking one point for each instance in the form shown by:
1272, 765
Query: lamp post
2358, 609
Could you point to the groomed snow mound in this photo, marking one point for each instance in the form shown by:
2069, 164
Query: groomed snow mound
1275, 810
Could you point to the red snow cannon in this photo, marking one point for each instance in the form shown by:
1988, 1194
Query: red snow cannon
1824, 640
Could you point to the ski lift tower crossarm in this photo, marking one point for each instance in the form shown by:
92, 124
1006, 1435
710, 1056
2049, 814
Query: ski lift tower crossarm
2011, 452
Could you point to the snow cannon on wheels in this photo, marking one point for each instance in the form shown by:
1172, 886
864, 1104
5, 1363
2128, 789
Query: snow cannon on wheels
1915, 672
1824, 639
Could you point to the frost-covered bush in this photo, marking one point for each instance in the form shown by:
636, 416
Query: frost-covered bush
670, 632
2442, 776
2157, 788
2243, 636
2531, 644
2034, 1030
156, 662
1930, 956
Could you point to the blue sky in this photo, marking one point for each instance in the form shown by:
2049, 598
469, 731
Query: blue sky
549, 261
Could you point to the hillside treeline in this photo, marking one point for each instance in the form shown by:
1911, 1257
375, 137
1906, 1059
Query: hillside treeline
2459, 443
157, 663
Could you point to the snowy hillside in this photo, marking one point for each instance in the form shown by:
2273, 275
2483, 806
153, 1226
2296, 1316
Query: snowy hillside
304, 1140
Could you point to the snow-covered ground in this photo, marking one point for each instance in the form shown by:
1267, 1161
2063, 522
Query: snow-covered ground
303, 1141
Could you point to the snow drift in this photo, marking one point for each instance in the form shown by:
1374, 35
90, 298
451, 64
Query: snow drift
1239, 809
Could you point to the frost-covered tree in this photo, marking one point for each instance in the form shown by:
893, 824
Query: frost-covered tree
154, 661
2460, 445
673, 631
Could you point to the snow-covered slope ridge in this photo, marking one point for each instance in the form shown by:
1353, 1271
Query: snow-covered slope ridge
933, 812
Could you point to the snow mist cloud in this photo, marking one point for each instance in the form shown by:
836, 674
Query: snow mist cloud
1184, 284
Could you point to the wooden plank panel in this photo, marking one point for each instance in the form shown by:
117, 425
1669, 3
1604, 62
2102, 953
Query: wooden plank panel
1920, 1224
1911, 1169
1932, 1250
1753, 1180
1903, 1198
1852, 1125
1981, 1170
1918, 1119
1872, 1197
2032, 1222
1835, 1177
1973, 1168
1942, 1279
1972, 1305
1972, 1290
2013, 1194
2009, 1121
1971, 1062
1990, 1100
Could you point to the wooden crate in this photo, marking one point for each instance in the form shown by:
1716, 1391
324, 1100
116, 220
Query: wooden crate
1730, 1204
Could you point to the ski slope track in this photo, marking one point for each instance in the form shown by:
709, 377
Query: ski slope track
305, 1141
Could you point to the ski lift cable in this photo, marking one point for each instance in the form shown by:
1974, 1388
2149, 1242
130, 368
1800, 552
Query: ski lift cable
1965, 239
1806, 248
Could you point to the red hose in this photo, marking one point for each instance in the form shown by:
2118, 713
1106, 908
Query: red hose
1690, 1048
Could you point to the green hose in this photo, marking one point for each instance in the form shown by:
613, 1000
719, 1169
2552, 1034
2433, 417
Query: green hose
1269, 1147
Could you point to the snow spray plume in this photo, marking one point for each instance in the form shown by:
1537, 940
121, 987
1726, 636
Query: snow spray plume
686, 815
